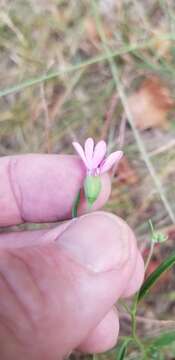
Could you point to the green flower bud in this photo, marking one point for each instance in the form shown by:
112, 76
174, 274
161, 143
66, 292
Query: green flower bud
159, 237
92, 188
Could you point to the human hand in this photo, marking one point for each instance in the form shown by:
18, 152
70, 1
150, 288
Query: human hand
58, 285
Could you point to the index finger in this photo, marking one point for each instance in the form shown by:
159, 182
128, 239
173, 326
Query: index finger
42, 188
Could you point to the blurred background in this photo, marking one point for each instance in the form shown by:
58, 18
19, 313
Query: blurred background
74, 69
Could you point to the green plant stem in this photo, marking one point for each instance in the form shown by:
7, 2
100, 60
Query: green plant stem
133, 329
133, 316
125, 306
134, 337
100, 58
149, 255
75, 205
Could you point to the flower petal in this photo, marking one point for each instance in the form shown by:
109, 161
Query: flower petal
111, 160
80, 151
99, 153
89, 149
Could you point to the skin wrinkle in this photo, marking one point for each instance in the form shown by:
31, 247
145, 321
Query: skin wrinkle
20, 239
28, 268
18, 300
13, 180
52, 235
48, 260
5, 324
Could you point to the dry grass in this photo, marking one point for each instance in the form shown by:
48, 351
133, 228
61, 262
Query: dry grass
59, 39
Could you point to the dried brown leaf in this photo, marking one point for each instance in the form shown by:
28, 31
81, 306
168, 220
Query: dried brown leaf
150, 104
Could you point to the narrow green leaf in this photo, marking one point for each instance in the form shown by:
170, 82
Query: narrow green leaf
156, 355
122, 350
164, 339
155, 275
102, 57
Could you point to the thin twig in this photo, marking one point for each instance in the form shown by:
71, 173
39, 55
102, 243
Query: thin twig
163, 148
122, 130
151, 250
152, 322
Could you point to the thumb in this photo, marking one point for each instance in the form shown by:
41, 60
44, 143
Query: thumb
53, 295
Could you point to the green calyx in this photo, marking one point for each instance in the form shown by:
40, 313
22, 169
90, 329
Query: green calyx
159, 237
92, 188
156, 236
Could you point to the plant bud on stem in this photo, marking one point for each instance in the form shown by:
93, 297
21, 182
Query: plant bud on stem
92, 188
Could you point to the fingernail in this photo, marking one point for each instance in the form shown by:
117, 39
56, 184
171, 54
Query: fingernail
96, 241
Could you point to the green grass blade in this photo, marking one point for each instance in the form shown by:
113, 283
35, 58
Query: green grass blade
164, 339
99, 58
122, 350
155, 275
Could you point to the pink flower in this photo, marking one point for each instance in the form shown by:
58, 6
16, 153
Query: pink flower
94, 157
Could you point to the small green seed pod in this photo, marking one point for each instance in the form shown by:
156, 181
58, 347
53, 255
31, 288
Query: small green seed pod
92, 188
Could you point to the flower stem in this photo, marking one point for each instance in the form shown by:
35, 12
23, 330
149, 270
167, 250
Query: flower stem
151, 250
125, 306
133, 331
75, 205
149, 256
